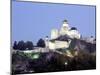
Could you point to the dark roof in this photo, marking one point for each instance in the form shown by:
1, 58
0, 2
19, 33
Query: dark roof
65, 20
73, 28
62, 38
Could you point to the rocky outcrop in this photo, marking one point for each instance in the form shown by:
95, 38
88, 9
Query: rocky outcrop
78, 44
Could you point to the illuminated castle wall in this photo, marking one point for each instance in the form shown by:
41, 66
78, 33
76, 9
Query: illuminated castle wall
65, 29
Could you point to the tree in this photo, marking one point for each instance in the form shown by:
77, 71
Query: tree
21, 45
15, 45
29, 45
41, 43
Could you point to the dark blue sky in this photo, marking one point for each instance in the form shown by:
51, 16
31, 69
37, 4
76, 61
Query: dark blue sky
31, 21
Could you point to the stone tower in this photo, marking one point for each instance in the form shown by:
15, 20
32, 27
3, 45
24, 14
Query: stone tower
54, 33
65, 28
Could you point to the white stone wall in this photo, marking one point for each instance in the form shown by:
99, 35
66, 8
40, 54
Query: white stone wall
58, 44
51, 45
61, 44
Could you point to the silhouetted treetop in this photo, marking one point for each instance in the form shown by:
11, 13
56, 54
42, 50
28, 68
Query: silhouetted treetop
41, 43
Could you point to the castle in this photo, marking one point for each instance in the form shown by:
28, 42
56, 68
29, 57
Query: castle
62, 38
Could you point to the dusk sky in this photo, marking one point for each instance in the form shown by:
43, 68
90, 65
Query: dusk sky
32, 21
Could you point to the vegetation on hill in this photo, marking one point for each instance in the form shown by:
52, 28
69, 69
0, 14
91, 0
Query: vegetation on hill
51, 62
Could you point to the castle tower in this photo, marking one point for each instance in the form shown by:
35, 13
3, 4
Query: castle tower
47, 42
54, 33
74, 33
65, 24
65, 28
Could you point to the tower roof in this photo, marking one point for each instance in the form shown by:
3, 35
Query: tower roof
73, 28
65, 23
65, 20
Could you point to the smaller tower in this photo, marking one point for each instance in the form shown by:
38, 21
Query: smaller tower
47, 42
74, 33
54, 33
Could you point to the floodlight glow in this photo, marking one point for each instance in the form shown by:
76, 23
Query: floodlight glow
66, 63
36, 56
